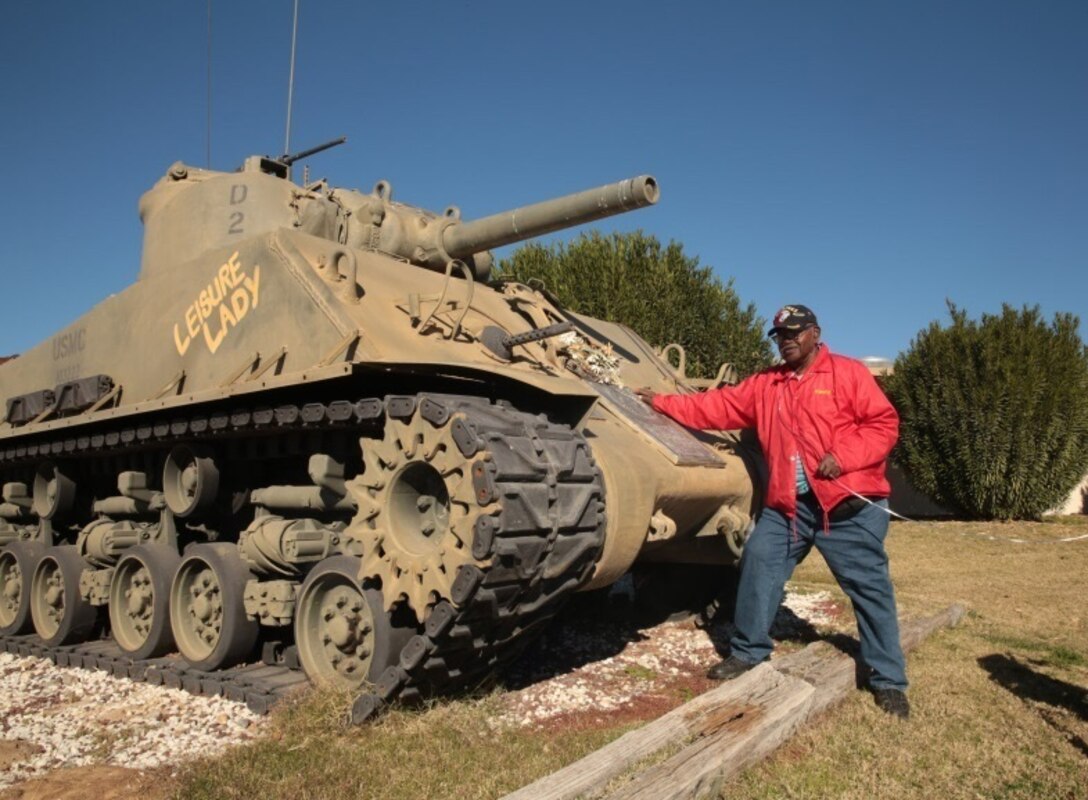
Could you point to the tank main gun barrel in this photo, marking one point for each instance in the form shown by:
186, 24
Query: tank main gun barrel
507, 227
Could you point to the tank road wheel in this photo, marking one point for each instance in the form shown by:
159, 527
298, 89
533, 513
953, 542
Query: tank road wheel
207, 607
16, 570
417, 508
140, 601
60, 614
343, 634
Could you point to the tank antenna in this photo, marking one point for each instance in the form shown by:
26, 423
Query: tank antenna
291, 82
208, 131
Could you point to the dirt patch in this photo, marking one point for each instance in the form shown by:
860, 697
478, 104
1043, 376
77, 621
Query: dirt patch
79, 783
12, 751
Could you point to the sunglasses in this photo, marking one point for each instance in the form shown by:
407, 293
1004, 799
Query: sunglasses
786, 336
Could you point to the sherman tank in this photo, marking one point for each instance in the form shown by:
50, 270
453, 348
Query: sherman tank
314, 437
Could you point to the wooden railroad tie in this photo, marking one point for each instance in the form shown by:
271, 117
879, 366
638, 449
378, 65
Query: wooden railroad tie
721, 731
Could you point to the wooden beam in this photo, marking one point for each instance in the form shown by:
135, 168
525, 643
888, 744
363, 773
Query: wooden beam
723, 730
762, 695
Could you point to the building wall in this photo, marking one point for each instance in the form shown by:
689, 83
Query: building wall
1077, 502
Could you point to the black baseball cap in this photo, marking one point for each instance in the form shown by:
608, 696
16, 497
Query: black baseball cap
793, 318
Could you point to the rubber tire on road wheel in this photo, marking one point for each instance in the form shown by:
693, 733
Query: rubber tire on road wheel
237, 633
160, 562
79, 620
386, 641
23, 555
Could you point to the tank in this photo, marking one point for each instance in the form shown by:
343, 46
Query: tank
313, 435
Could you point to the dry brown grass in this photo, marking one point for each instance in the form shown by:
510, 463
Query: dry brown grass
1000, 708
446, 751
999, 704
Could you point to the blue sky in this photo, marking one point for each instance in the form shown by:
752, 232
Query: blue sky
870, 159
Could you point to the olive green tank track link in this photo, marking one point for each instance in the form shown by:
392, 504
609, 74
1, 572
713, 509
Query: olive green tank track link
259, 686
543, 543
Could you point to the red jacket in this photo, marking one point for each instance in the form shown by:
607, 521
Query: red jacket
835, 407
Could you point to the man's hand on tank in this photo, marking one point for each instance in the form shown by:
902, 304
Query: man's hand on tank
828, 467
646, 395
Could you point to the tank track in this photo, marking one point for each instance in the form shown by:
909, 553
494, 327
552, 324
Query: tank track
543, 544
259, 686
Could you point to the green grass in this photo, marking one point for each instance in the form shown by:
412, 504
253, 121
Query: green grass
1065, 657
1053, 655
640, 673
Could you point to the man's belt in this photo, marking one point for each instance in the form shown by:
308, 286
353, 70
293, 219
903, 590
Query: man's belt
844, 510
849, 507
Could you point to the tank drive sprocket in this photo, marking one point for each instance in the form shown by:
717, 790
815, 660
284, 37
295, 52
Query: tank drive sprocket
522, 513
417, 504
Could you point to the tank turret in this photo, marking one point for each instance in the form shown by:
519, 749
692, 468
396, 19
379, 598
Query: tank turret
259, 198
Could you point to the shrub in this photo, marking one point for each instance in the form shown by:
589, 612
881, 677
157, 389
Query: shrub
994, 414
656, 290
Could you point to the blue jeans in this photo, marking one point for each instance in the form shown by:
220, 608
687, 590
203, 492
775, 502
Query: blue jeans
854, 551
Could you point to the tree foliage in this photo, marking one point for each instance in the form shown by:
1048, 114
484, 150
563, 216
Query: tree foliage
994, 414
656, 290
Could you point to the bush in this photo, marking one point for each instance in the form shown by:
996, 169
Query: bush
994, 414
657, 291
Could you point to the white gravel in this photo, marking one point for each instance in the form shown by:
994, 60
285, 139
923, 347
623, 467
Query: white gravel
815, 608
74, 717
52, 717
592, 667
604, 685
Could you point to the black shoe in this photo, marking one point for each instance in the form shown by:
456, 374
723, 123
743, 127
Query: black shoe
729, 669
892, 701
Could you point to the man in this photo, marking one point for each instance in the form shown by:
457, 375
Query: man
826, 430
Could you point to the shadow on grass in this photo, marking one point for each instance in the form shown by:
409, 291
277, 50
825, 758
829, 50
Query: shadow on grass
1029, 684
